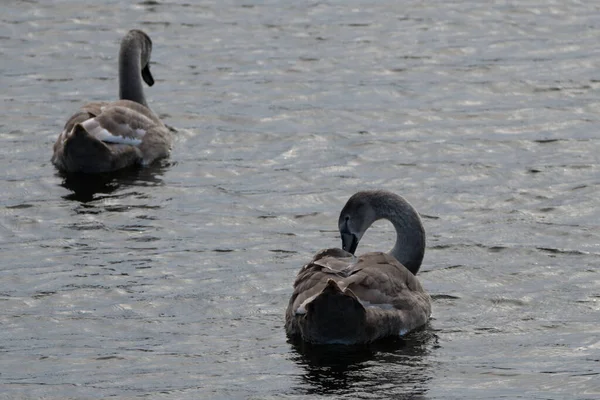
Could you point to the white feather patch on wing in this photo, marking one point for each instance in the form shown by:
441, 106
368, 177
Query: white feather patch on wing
93, 127
383, 306
107, 137
138, 133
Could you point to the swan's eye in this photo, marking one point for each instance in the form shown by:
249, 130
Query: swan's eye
347, 218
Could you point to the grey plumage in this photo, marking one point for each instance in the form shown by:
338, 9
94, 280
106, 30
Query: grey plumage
339, 298
107, 136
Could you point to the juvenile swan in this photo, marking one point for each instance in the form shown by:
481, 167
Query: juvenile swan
340, 298
104, 136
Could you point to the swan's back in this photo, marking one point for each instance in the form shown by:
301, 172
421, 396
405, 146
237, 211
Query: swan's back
339, 298
105, 136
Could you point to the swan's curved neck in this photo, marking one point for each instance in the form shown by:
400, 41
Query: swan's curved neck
409, 248
130, 73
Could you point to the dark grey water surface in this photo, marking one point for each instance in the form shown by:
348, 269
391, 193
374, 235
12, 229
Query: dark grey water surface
171, 282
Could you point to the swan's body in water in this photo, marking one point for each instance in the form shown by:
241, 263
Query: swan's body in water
105, 136
340, 298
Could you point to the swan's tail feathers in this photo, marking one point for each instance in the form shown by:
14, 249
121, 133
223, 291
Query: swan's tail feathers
334, 316
82, 152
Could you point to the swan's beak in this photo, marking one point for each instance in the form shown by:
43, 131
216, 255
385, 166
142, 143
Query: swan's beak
349, 242
147, 75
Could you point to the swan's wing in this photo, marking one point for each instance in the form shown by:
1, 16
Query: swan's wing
138, 108
119, 124
379, 280
127, 122
111, 136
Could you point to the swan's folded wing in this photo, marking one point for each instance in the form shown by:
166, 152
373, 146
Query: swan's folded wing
379, 280
119, 125
140, 109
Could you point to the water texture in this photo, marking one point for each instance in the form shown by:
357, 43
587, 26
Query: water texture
171, 282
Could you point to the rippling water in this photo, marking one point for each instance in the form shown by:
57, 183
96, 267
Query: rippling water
172, 281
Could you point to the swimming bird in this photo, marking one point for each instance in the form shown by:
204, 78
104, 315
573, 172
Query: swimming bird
107, 136
342, 299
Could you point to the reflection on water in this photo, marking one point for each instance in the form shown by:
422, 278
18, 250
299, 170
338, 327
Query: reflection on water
394, 366
86, 186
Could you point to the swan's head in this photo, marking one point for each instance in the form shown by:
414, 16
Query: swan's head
145, 58
355, 218
140, 39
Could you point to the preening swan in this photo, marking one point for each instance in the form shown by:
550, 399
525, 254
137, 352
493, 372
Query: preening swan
340, 298
104, 136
